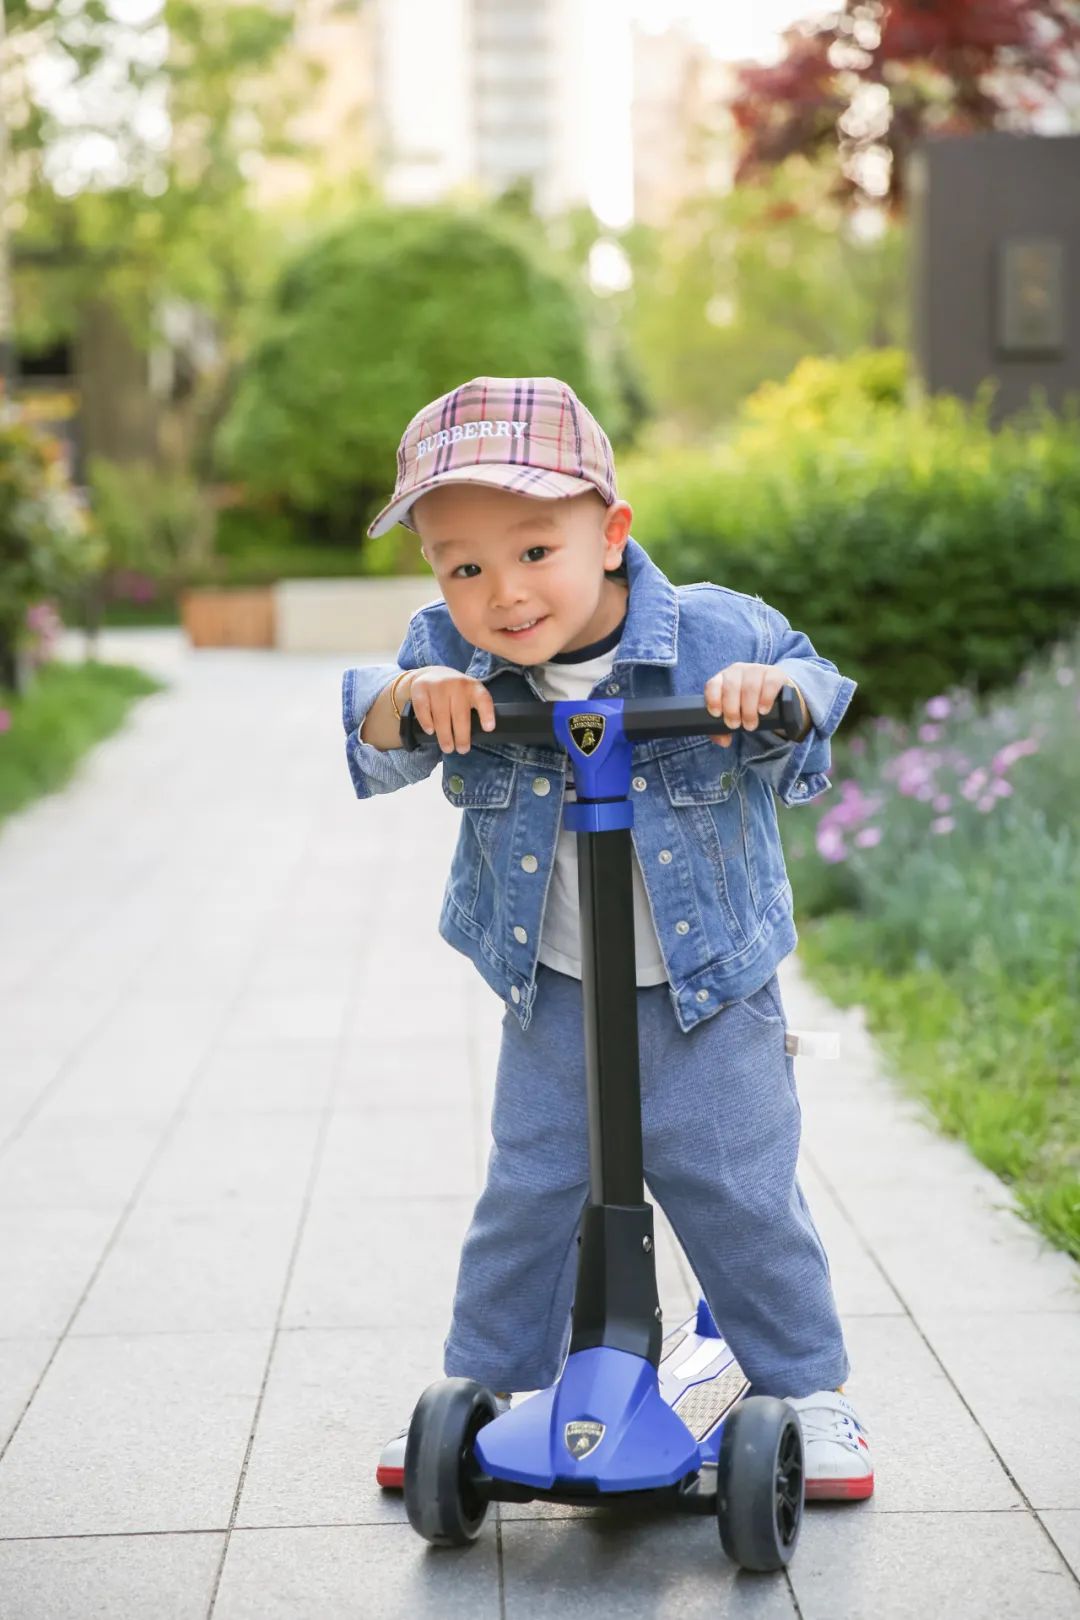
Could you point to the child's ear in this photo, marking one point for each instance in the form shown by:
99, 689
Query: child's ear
617, 523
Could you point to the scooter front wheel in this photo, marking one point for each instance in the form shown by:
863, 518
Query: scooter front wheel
760, 1483
441, 1499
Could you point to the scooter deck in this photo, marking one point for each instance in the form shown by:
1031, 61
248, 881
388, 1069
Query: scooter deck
698, 1377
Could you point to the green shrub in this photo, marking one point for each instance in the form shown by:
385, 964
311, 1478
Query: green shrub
46, 548
368, 324
948, 861
919, 548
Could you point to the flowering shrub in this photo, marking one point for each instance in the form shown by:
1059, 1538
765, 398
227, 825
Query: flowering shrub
45, 546
948, 862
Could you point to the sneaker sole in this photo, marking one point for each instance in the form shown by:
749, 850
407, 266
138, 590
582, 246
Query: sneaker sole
839, 1490
391, 1479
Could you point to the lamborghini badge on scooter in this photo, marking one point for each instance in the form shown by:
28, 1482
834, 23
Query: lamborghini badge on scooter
583, 1437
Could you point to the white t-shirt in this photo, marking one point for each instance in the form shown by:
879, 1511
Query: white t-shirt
560, 936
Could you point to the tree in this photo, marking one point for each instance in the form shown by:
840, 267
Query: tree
742, 286
864, 81
133, 147
369, 322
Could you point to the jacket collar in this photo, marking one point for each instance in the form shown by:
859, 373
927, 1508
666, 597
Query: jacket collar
652, 621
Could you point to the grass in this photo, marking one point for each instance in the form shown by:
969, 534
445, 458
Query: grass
68, 708
997, 1070
939, 887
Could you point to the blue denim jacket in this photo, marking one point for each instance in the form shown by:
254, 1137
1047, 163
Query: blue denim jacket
705, 829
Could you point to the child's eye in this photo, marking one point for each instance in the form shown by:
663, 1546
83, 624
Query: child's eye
458, 574
534, 553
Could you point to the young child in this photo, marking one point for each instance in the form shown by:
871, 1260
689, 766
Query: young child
510, 484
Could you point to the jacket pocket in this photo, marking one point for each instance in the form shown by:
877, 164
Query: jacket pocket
478, 780
698, 774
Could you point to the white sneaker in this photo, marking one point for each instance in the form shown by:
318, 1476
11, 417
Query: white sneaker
839, 1467
390, 1471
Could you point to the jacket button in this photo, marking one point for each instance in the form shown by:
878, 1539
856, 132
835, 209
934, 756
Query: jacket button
520, 935
613, 687
701, 995
529, 863
515, 994
665, 857
682, 927
639, 784
541, 786
456, 784
725, 780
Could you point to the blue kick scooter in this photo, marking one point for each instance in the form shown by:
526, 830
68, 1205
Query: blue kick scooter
631, 1411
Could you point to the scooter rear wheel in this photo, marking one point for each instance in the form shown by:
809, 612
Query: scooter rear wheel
760, 1483
442, 1503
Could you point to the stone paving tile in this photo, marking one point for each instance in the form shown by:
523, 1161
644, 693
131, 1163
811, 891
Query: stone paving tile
1064, 1528
851, 1563
134, 1434
332, 1400
76, 1164
1018, 1373
377, 1262
47, 1257
959, 1248
27, 1074
277, 1077
396, 1153
193, 1268
929, 1452
22, 1361
858, 1283
631, 1561
253, 1158
379, 1572
125, 1080
109, 1577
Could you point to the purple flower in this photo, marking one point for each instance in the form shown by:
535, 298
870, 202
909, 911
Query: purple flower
1002, 789
943, 824
986, 803
1011, 753
939, 708
830, 845
868, 837
857, 746
5, 720
943, 802
929, 733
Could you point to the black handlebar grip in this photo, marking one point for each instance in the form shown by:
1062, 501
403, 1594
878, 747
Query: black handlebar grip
678, 716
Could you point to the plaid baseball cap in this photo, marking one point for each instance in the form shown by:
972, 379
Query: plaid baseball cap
531, 435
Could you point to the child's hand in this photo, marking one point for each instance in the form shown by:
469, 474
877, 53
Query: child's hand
742, 692
443, 700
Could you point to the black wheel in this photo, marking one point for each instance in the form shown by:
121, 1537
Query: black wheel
442, 1503
759, 1483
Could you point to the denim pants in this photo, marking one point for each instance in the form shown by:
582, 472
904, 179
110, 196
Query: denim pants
720, 1126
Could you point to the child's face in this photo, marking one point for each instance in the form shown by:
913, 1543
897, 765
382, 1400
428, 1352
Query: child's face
504, 561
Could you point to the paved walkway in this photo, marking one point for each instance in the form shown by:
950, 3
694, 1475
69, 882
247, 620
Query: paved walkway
242, 1123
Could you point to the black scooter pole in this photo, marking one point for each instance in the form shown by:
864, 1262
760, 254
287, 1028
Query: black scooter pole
616, 1302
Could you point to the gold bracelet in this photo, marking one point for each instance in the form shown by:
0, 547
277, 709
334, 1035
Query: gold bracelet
393, 691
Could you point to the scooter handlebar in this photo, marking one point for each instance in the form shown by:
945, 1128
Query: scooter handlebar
678, 716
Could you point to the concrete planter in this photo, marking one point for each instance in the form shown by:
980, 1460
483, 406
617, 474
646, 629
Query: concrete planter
359, 618
229, 618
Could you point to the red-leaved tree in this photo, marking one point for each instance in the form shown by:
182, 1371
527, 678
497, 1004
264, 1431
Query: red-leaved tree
865, 80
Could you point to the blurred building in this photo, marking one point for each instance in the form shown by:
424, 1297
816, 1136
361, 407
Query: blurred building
683, 137
483, 94
330, 74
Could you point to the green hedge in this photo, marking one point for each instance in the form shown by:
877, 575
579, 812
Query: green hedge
918, 547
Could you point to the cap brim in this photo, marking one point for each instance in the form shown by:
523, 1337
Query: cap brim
549, 486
